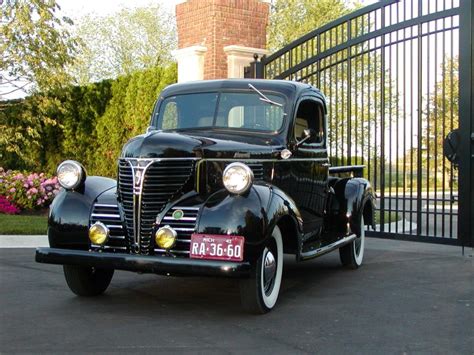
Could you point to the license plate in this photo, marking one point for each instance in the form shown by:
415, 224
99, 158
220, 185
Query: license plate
217, 247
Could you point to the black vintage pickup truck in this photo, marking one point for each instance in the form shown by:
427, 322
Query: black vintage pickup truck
230, 175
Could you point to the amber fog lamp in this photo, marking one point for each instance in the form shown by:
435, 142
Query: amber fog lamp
70, 174
237, 178
165, 237
98, 233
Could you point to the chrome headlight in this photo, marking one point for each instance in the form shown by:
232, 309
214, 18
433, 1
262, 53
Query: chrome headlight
237, 178
70, 174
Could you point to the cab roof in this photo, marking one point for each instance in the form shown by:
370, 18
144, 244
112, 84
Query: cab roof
291, 89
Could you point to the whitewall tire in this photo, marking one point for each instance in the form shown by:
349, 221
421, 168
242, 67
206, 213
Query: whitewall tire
352, 254
259, 293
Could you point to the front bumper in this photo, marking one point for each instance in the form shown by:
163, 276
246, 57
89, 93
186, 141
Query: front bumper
140, 263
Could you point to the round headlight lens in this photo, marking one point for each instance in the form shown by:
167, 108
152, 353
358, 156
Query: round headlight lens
237, 178
98, 233
165, 237
70, 174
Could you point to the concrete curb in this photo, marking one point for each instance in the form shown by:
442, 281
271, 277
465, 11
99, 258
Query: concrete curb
23, 241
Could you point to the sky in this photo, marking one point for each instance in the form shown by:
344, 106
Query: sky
76, 9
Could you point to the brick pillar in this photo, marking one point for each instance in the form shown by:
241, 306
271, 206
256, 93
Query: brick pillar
217, 38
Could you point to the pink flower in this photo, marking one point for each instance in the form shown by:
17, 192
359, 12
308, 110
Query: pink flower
12, 190
7, 207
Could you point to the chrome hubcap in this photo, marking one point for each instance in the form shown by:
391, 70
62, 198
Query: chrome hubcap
269, 271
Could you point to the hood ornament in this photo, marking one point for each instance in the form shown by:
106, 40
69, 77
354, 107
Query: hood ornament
138, 177
139, 168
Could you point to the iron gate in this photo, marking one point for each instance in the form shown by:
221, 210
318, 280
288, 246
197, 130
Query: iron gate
398, 79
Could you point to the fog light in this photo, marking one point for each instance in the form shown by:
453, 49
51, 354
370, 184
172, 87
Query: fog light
98, 233
165, 237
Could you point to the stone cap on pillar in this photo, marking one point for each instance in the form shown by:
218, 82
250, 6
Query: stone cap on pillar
239, 57
190, 63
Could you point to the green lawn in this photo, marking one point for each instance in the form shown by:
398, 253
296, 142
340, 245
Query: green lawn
23, 224
389, 217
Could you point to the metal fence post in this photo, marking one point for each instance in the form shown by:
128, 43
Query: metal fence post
466, 124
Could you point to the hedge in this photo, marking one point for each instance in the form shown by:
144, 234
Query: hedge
86, 123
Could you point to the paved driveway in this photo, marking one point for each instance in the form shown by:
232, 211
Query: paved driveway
408, 298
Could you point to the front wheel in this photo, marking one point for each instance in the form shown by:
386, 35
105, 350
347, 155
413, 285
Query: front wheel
87, 281
259, 293
352, 254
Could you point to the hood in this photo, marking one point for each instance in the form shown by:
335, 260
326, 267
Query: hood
192, 144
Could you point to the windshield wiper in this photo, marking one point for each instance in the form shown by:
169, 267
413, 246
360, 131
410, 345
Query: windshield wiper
264, 98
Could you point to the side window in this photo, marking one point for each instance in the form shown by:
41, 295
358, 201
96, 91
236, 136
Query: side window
310, 115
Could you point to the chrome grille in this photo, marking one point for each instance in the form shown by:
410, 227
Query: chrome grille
144, 187
125, 193
184, 227
257, 170
110, 216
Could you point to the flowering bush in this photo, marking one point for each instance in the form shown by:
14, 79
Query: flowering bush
7, 207
21, 191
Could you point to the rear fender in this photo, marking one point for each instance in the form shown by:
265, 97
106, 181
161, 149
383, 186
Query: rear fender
355, 197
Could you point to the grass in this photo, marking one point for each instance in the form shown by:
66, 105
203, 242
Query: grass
389, 217
23, 224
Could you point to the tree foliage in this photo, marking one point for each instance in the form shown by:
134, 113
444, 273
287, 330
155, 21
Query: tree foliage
291, 19
122, 43
36, 46
87, 123
441, 116
127, 114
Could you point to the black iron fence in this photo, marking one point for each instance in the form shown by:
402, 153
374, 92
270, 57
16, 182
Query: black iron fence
398, 78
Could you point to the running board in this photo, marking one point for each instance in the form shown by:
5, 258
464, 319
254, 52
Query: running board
328, 248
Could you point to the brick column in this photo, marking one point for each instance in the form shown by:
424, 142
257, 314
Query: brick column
226, 32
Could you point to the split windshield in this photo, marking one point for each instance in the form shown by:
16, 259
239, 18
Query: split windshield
225, 110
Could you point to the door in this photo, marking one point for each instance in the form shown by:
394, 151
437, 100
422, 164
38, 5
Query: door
309, 170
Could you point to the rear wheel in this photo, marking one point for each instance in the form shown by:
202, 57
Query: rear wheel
87, 281
352, 254
259, 293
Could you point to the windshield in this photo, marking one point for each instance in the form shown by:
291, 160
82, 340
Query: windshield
227, 110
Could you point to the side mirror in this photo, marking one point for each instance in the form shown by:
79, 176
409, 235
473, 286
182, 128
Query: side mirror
308, 133
150, 129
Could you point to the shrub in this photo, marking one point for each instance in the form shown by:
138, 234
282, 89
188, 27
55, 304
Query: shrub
127, 115
87, 123
7, 207
27, 191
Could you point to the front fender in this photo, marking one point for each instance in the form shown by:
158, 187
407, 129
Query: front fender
252, 215
70, 211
